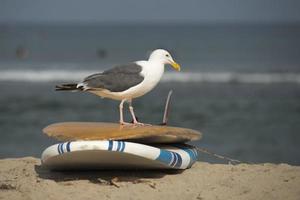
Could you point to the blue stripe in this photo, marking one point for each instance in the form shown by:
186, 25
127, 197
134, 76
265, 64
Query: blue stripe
62, 147
123, 147
68, 147
118, 145
164, 157
192, 152
196, 153
179, 161
58, 148
174, 159
110, 145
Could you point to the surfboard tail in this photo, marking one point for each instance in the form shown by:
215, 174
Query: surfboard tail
68, 87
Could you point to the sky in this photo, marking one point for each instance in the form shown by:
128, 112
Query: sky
202, 11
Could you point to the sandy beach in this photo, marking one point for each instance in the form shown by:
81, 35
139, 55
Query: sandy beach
24, 178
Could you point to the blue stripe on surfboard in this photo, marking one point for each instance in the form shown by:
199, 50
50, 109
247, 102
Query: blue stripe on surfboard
123, 147
62, 148
174, 159
196, 153
68, 147
164, 157
179, 160
110, 145
118, 145
58, 148
192, 152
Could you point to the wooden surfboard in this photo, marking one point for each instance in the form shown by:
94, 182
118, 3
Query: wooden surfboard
71, 131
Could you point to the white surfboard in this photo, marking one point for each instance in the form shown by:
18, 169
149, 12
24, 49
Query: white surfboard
108, 154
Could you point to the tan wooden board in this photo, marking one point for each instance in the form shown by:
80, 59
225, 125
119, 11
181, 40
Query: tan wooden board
71, 131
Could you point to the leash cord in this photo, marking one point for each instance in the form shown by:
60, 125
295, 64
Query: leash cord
230, 160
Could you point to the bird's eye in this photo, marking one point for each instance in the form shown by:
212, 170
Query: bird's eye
167, 55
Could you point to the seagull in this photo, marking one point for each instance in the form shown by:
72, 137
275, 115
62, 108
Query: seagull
127, 81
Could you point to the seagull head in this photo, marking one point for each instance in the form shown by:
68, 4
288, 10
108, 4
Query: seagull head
164, 57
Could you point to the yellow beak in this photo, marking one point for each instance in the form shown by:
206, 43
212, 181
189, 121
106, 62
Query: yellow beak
175, 65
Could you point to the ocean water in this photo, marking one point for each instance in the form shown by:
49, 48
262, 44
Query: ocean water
240, 84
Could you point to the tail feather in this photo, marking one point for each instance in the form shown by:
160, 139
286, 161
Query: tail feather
68, 87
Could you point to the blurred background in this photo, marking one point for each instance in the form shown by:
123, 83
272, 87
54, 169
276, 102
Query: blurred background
239, 85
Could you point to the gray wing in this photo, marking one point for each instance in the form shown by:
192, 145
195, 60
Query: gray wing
117, 79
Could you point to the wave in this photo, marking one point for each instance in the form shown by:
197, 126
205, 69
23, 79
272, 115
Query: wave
233, 77
210, 77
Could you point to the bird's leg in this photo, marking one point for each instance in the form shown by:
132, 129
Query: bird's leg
132, 114
121, 113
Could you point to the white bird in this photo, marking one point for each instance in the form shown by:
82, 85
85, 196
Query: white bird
126, 82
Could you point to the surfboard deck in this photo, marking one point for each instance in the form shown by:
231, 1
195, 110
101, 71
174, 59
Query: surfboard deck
88, 155
71, 131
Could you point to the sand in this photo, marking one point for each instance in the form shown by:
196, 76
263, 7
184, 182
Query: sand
24, 178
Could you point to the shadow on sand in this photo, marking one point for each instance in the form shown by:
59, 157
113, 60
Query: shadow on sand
103, 176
